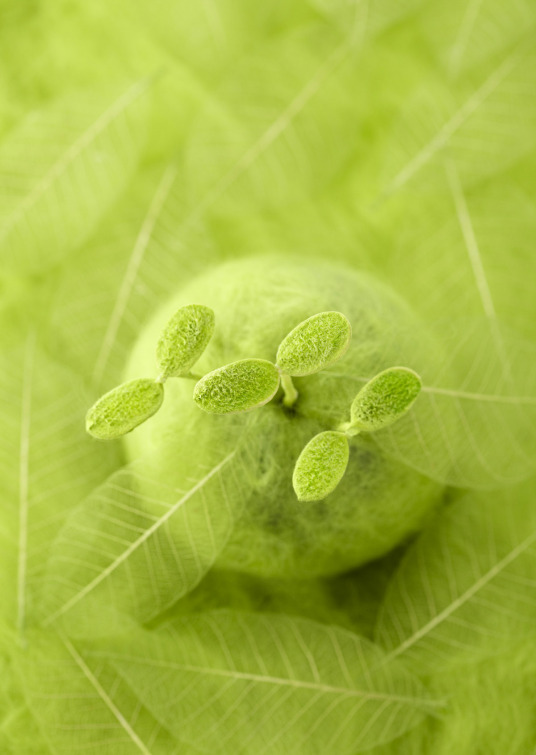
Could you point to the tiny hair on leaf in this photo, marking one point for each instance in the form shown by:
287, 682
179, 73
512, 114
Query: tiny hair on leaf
384, 399
123, 408
183, 340
237, 387
321, 466
314, 344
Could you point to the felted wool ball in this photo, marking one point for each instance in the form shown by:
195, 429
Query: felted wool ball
257, 302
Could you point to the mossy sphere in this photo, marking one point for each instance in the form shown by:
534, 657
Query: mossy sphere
257, 302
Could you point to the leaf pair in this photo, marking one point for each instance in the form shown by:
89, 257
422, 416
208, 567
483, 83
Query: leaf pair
181, 344
381, 402
248, 384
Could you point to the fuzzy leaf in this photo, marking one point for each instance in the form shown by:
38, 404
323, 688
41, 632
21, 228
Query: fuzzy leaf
320, 466
237, 387
314, 344
385, 398
123, 408
260, 684
184, 339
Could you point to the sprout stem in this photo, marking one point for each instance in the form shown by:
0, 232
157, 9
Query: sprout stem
348, 429
291, 394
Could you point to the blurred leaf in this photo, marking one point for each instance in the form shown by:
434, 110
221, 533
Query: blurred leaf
149, 534
62, 167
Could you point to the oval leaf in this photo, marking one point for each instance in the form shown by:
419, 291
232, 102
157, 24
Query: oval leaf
237, 387
385, 398
184, 339
314, 344
321, 466
122, 409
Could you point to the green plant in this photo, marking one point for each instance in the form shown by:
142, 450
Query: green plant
167, 593
247, 384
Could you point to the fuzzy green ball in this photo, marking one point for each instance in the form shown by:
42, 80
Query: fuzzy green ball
379, 501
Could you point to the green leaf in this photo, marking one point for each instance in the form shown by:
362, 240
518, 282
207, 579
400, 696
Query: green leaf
467, 579
472, 121
47, 465
237, 387
104, 298
385, 398
124, 408
184, 339
80, 703
320, 466
62, 173
314, 344
256, 684
474, 423
149, 533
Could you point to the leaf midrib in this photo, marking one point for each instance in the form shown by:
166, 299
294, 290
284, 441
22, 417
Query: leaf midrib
463, 598
139, 541
277, 680
67, 158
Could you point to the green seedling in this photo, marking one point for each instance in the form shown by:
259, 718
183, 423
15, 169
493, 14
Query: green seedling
237, 387
122, 409
380, 403
314, 344
321, 466
183, 340
384, 399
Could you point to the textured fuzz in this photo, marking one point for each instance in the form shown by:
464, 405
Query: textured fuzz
122, 409
184, 339
320, 466
237, 387
385, 398
314, 344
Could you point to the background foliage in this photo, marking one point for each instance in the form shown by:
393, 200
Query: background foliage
143, 143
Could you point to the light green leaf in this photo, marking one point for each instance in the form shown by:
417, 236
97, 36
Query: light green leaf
82, 704
62, 168
258, 684
294, 140
474, 422
373, 18
463, 35
184, 339
385, 398
472, 121
47, 465
467, 233
237, 387
148, 534
124, 408
467, 579
320, 466
124, 273
314, 344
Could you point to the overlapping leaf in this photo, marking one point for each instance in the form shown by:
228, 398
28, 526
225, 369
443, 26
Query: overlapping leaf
47, 464
61, 169
472, 124
148, 534
254, 683
82, 705
467, 579
473, 423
